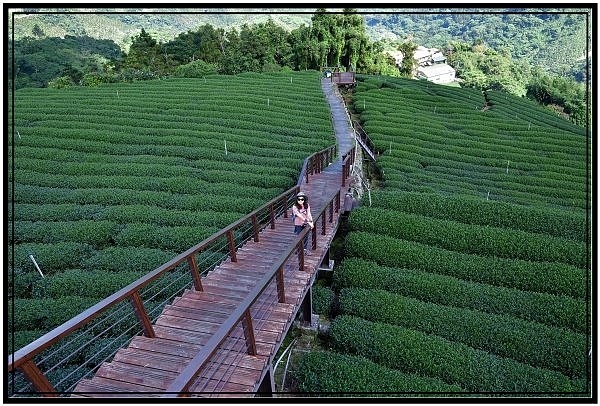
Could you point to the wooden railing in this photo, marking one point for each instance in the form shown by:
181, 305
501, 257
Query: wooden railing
316, 163
364, 140
347, 162
235, 234
180, 386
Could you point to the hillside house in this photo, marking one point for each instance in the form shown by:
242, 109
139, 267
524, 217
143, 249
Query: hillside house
437, 73
432, 65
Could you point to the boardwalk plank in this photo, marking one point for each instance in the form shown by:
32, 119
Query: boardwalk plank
154, 379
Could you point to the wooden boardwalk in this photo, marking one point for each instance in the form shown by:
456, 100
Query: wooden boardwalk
149, 367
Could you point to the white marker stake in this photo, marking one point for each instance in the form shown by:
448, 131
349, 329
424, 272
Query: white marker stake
36, 265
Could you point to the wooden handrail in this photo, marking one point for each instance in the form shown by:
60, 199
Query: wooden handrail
180, 386
22, 359
319, 159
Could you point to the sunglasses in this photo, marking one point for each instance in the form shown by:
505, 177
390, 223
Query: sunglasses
300, 198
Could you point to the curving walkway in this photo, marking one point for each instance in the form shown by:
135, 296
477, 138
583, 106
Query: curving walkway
149, 366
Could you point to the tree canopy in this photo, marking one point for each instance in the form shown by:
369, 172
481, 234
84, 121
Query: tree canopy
328, 40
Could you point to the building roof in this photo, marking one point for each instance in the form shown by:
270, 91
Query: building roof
436, 70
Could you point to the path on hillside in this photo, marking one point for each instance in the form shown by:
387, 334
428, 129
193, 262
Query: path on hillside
344, 132
150, 365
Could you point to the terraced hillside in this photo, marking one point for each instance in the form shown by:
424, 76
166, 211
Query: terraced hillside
112, 181
470, 272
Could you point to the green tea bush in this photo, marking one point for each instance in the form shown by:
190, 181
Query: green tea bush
51, 258
329, 372
543, 277
465, 209
531, 343
96, 233
322, 300
45, 314
56, 212
412, 351
468, 238
96, 284
552, 310
19, 339
127, 259
176, 239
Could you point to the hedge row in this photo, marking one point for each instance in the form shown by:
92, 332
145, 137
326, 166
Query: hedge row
480, 176
176, 185
472, 148
175, 239
127, 259
98, 234
95, 284
543, 277
322, 300
86, 161
474, 370
469, 238
243, 162
51, 257
466, 209
110, 196
557, 311
531, 343
45, 314
323, 372
56, 212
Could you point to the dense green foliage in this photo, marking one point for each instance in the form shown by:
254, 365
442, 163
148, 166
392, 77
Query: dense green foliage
472, 210
554, 310
531, 343
487, 291
414, 351
443, 139
525, 53
352, 376
555, 40
469, 238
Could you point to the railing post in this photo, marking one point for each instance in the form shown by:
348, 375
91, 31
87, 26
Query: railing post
141, 314
249, 332
331, 211
231, 246
323, 220
37, 379
195, 273
255, 227
272, 214
280, 285
284, 205
300, 249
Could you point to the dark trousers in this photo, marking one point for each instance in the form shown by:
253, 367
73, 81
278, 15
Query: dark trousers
298, 230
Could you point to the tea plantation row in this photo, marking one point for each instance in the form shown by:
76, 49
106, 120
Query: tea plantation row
461, 272
112, 181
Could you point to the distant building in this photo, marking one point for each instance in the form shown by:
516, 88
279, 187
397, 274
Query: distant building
431, 65
398, 56
437, 73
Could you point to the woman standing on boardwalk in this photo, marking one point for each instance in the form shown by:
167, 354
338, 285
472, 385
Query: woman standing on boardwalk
302, 217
